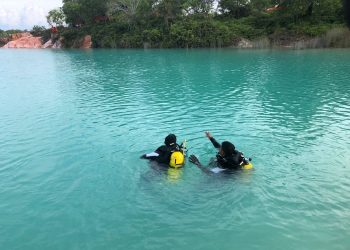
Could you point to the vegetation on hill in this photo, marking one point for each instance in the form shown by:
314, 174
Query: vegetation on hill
192, 23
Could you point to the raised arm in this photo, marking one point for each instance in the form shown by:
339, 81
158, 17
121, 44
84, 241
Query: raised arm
211, 138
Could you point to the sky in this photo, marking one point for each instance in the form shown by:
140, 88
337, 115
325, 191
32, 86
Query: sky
24, 14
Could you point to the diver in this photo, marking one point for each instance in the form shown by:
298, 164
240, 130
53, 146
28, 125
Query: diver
170, 153
228, 158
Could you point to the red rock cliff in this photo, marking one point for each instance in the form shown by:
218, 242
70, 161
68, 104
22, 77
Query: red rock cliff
24, 40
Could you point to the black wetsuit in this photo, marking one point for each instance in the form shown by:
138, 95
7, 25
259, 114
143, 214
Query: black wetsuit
233, 161
163, 153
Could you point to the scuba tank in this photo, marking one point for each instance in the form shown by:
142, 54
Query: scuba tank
177, 158
246, 163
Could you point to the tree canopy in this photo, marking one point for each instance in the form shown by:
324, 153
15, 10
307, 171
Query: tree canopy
195, 23
56, 17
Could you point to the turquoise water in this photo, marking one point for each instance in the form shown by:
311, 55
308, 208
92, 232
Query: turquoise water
74, 123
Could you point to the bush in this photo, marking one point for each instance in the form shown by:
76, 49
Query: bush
41, 31
72, 36
201, 33
130, 40
312, 30
153, 36
152, 28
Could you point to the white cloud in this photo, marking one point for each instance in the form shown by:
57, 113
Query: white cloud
24, 14
34, 15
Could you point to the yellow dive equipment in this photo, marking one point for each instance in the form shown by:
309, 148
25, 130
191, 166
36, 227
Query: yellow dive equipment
247, 166
177, 159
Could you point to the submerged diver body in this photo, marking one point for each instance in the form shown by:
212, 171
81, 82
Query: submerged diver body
170, 153
228, 158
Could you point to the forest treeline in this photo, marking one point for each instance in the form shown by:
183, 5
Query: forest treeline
191, 23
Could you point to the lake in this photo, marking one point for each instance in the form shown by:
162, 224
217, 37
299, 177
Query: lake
74, 124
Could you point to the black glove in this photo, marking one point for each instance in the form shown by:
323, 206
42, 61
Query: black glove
194, 160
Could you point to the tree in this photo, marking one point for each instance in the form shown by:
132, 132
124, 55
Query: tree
235, 8
299, 7
169, 10
83, 11
198, 6
129, 8
56, 17
38, 30
327, 10
93, 8
346, 6
41, 31
262, 5
318, 9
72, 10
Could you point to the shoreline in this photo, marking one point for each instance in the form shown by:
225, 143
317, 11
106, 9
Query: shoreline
334, 38
202, 48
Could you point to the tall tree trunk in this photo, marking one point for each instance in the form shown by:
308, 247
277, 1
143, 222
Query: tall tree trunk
346, 5
310, 8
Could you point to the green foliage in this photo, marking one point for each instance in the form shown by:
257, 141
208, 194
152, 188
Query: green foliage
6, 33
198, 6
80, 12
3, 33
41, 31
108, 35
56, 17
258, 6
201, 33
195, 23
72, 37
153, 36
168, 11
316, 10
346, 8
72, 12
38, 30
235, 8
328, 11
128, 9
312, 30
